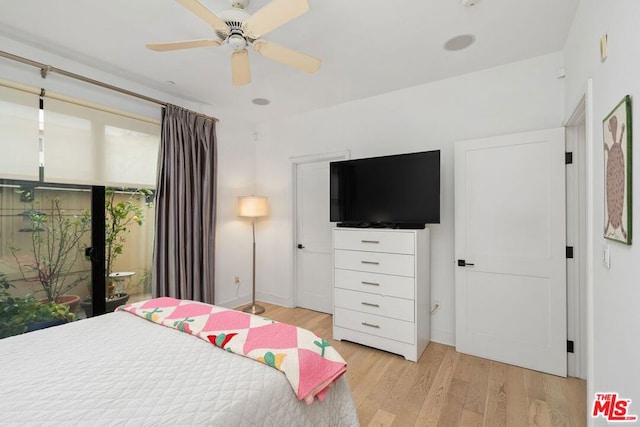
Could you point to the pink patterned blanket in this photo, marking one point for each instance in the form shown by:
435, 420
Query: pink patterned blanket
310, 363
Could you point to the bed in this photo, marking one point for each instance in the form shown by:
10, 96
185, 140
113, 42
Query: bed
120, 369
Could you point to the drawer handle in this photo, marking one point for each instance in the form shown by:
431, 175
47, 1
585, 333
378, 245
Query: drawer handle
370, 283
369, 304
370, 262
370, 325
370, 241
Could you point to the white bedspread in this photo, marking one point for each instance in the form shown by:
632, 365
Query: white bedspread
119, 369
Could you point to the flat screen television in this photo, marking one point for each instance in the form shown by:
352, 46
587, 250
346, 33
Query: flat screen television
398, 191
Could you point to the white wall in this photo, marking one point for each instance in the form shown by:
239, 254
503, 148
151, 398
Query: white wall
236, 177
516, 97
616, 291
236, 152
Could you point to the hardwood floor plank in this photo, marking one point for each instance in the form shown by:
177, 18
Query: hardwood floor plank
432, 408
368, 375
445, 388
380, 392
534, 384
559, 411
496, 406
401, 388
464, 370
579, 403
428, 367
454, 403
476, 395
382, 419
471, 419
539, 414
517, 403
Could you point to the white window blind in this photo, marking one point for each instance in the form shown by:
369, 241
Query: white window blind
18, 134
131, 155
89, 145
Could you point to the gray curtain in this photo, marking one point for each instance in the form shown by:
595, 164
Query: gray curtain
183, 255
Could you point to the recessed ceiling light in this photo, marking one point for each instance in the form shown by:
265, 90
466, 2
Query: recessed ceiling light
261, 101
460, 42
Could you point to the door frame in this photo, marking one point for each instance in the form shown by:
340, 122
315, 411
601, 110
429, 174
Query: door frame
579, 199
295, 161
585, 103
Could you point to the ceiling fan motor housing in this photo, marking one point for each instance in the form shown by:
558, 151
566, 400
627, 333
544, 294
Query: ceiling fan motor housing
234, 19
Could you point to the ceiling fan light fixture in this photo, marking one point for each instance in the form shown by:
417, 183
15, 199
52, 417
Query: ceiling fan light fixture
460, 42
237, 42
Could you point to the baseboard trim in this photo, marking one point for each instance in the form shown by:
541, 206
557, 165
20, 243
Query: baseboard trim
233, 303
274, 299
443, 337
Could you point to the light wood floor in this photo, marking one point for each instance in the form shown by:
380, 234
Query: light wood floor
445, 388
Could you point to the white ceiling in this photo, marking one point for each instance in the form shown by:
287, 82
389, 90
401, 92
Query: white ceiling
368, 47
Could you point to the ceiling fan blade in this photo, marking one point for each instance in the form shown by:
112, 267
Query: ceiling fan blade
187, 44
205, 14
292, 58
240, 71
273, 15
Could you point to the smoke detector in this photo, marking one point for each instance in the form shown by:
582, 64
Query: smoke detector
469, 3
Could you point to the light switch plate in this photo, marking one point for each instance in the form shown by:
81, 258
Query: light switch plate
603, 48
606, 260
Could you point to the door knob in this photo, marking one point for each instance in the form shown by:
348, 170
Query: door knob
463, 263
300, 246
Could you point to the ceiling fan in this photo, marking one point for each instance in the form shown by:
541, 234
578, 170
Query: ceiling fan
240, 30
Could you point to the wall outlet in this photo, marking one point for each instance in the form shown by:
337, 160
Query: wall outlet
236, 280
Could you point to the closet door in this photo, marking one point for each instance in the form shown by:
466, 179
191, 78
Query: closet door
510, 249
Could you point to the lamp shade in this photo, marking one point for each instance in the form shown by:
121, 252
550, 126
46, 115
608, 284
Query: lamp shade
253, 206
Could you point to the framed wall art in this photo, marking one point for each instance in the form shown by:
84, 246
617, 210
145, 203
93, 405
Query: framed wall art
617, 136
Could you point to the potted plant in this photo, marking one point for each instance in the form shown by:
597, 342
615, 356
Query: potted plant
120, 215
19, 315
56, 240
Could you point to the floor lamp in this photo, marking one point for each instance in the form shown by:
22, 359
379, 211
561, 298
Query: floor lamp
253, 207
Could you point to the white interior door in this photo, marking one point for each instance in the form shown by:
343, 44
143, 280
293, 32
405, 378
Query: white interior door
510, 232
314, 280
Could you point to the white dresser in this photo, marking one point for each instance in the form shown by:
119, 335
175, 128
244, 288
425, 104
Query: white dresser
381, 289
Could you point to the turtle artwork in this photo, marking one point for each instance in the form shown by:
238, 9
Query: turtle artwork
617, 176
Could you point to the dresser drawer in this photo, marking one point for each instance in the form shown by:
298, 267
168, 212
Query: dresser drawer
374, 262
375, 241
375, 325
382, 284
395, 308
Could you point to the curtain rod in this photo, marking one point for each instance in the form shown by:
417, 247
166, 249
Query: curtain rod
45, 69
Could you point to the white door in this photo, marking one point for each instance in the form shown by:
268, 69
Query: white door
314, 273
510, 233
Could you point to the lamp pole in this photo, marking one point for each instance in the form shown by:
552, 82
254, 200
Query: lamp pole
253, 308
